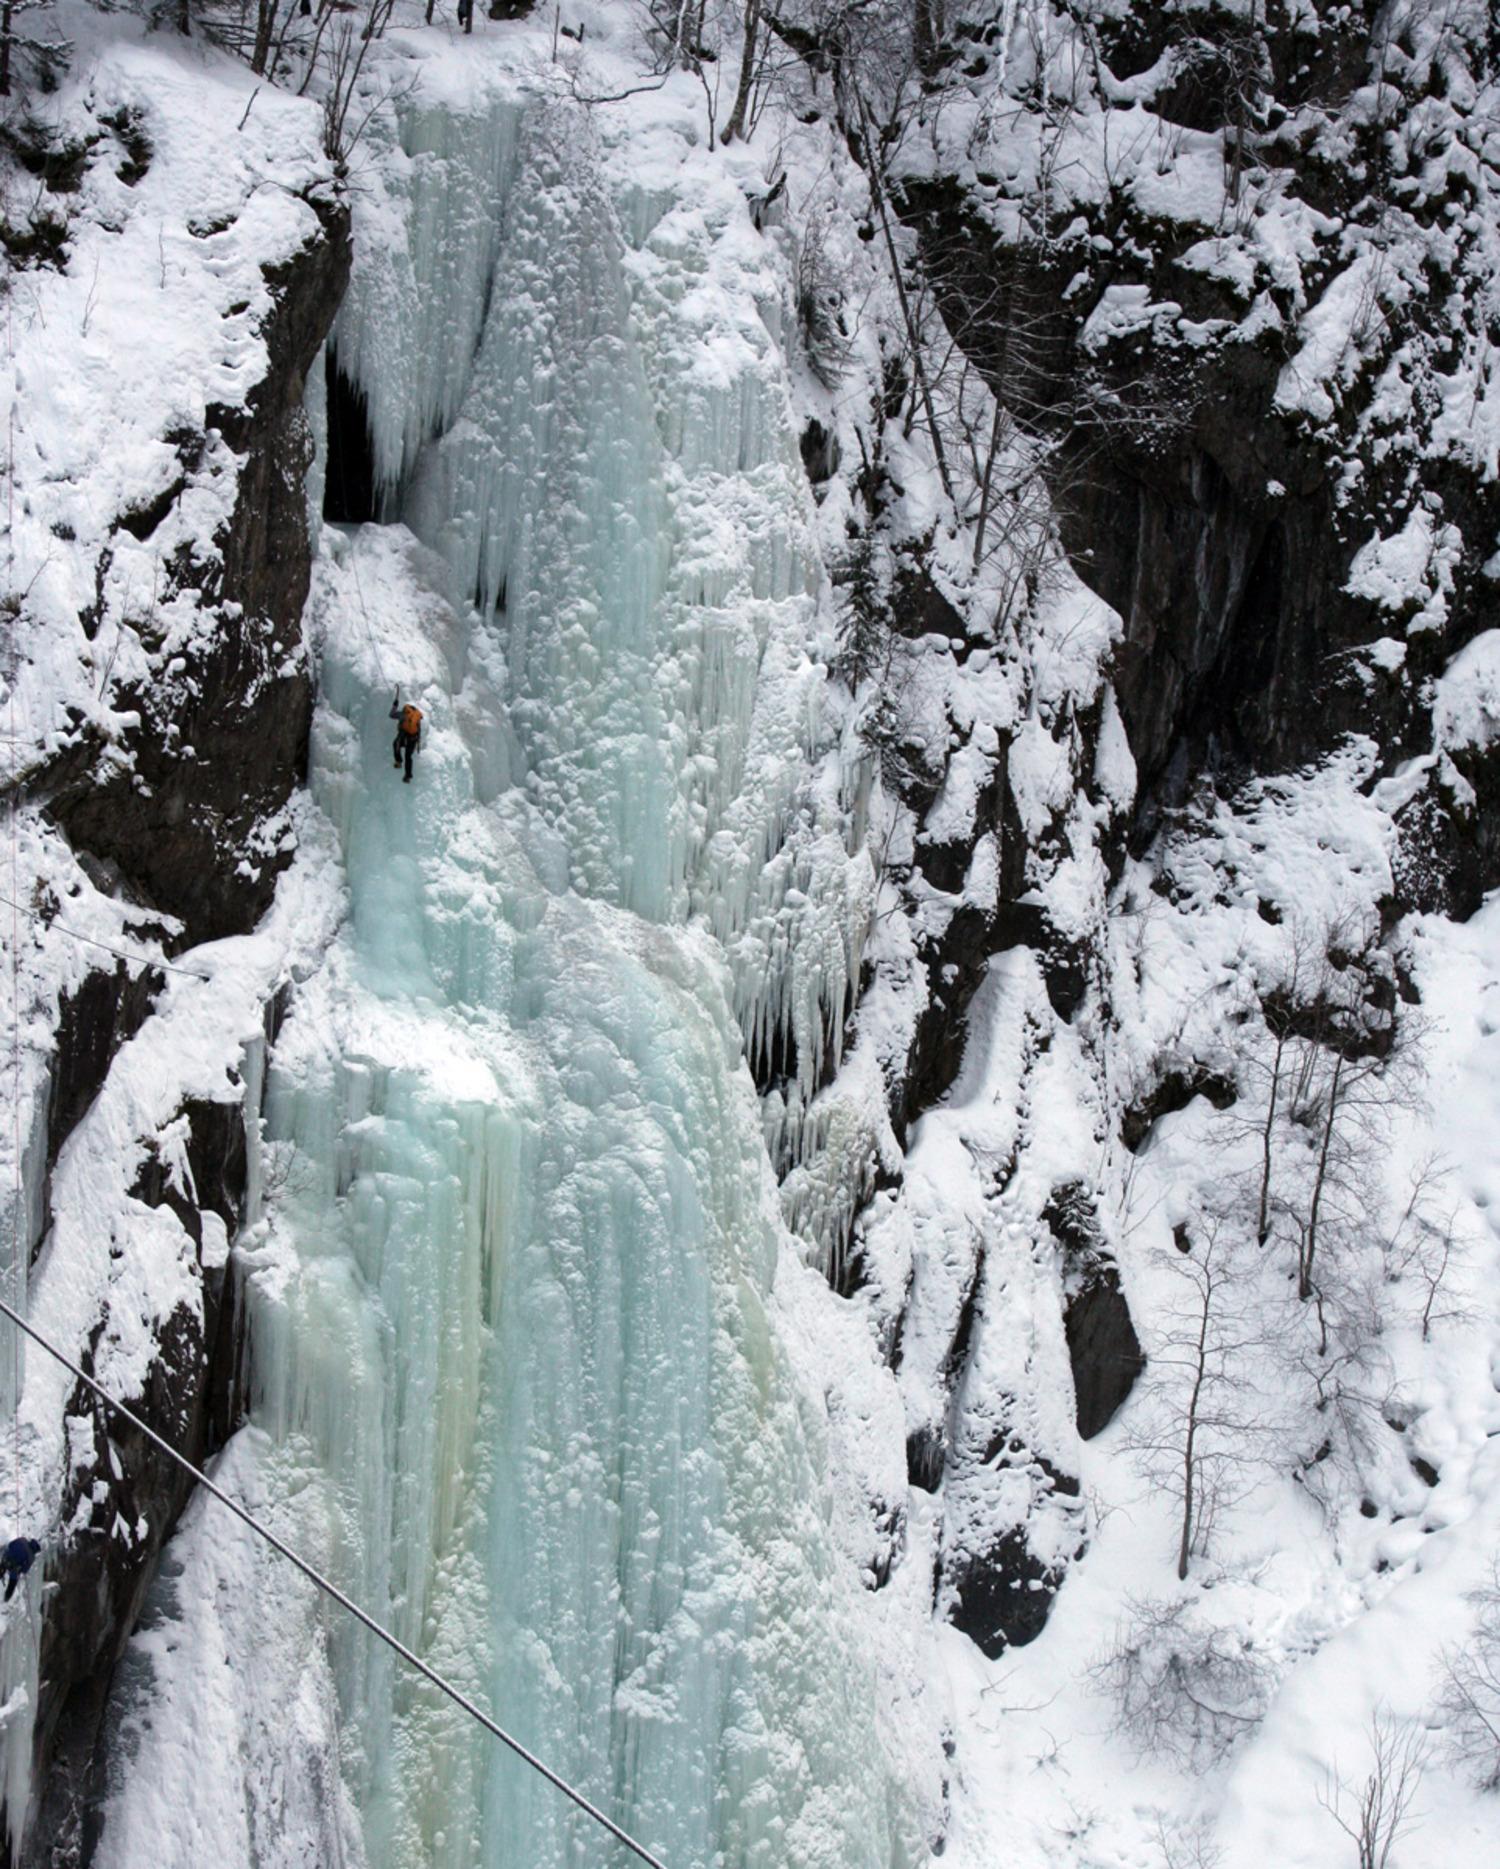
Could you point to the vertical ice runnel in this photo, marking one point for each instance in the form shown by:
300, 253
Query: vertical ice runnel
511, 1306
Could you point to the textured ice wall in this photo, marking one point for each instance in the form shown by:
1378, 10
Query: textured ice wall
514, 1290
515, 1296
612, 479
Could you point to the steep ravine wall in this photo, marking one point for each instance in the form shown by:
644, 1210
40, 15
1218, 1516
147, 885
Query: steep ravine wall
185, 809
1254, 336
1233, 604
1253, 458
1296, 535
190, 824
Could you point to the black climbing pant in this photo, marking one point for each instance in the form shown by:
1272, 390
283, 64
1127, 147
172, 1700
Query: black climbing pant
405, 743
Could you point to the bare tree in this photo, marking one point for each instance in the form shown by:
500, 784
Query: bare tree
1182, 1688
1468, 1699
1341, 1098
1339, 1365
1187, 1844
1273, 1065
321, 47
999, 485
1201, 1424
1425, 1247
818, 304
874, 152
1339, 1064
752, 58
346, 48
1378, 1812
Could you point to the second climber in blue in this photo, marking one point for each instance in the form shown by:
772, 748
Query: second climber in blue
408, 721
15, 1561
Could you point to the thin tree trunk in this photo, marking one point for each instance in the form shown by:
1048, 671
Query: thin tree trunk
1304, 1287
924, 37
996, 432
1262, 1224
872, 161
265, 25
5, 13
736, 124
1190, 1446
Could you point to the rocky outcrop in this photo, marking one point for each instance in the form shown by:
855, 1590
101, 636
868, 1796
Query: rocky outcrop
93, 1022
996, 780
1001, 1596
961, 923
1103, 1349
1251, 454
1210, 483
186, 816
1014, 1518
1177, 1082
190, 815
124, 1495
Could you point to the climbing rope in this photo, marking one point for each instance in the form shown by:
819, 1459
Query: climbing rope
332, 1590
369, 631
142, 960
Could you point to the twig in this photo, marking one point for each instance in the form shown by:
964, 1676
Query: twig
615, 97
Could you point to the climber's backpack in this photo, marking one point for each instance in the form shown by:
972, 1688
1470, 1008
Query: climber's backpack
411, 721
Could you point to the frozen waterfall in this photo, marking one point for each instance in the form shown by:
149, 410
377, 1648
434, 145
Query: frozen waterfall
518, 1375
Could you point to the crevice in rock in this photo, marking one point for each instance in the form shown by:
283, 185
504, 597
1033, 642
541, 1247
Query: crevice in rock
349, 491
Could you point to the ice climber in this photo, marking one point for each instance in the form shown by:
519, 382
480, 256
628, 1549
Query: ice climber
17, 1558
408, 721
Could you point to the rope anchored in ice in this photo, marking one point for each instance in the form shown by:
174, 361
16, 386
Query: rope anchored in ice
332, 1590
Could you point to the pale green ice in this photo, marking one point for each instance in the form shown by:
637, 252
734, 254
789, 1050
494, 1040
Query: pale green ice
512, 1319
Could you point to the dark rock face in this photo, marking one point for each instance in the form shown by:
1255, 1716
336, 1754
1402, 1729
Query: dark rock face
97, 1577
223, 739
924, 1459
997, 1585
1103, 1348
957, 944
193, 829
92, 1025
820, 453
1003, 1597
1174, 1090
1012, 1518
968, 861
1221, 526
1448, 851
